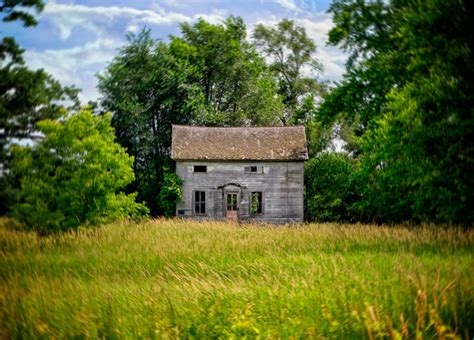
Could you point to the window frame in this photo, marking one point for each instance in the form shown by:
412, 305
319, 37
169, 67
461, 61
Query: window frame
202, 203
260, 203
202, 167
253, 169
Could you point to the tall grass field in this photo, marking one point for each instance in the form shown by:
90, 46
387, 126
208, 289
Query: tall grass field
184, 279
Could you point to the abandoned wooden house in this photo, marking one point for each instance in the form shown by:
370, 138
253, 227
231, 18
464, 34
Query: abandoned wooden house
241, 173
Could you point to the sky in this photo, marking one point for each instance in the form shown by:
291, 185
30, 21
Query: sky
75, 40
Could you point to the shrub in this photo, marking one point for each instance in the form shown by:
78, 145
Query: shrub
328, 183
170, 193
72, 177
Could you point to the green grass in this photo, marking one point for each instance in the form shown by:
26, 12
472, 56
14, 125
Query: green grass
170, 278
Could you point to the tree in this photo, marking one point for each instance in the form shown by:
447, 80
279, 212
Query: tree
408, 95
170, 193
237, 86
14, 10
148, 89
290, 50
72, 177
26, 96
209, 76
367, 31
328, 184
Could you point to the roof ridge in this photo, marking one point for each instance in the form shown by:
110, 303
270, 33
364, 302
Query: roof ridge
238, 127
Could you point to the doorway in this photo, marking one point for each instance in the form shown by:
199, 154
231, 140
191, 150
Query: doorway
232, 206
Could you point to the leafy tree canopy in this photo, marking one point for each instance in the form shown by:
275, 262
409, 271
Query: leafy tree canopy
236, 84
209, 75
26, 96
14, 10
73, 176
328, 187
170, 193
290, 50
408, 97
148, 89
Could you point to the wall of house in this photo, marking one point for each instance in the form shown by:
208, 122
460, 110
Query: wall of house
281, 183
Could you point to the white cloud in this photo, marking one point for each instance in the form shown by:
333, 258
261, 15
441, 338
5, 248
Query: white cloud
106, 27
288, 4
67, 17
134, 27
215, 17
96, 18
317, 27
77, 65
332, 58
333, 61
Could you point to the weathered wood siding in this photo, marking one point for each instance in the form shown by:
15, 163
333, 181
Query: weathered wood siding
280, 182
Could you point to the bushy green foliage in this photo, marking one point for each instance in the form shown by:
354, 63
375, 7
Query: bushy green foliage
210, 75
148, 89
328, 184
26, 96
407, 97
182, 279
237, 85
170, 193
72, 177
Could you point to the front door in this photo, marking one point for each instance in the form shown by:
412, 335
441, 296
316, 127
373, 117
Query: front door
232, 206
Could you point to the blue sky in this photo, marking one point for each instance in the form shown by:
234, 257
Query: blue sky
75, 40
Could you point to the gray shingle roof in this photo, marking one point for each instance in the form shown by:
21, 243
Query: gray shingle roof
239, 143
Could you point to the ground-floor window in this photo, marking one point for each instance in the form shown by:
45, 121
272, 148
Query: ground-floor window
200, 202
256, 203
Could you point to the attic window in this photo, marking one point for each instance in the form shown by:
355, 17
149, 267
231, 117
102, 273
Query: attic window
200, 168
251, 169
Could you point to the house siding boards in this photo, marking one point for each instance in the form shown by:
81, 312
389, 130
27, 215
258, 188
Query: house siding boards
267, 160
281, 184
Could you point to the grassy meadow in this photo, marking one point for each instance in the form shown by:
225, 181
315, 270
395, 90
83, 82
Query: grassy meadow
172, 278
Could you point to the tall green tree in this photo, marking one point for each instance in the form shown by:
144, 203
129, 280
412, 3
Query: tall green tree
368, 32
236, 83
209, 75
72, 177
408, 96
148, 89
26, 96
290, 50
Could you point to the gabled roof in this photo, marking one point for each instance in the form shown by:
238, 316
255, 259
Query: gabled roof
239, 143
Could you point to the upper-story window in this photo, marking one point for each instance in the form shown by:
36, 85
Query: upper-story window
252, 169
200, 168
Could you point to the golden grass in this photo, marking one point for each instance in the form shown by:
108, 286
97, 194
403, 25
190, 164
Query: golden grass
173, 278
